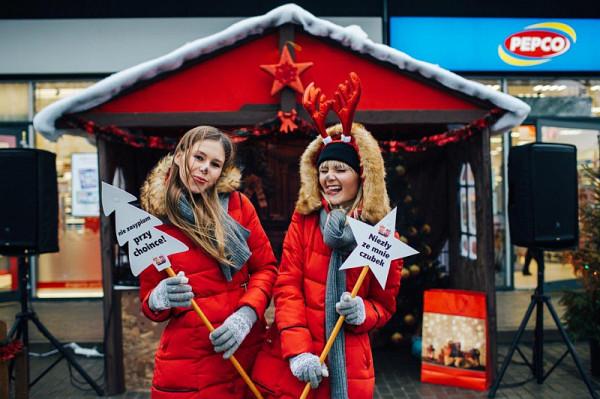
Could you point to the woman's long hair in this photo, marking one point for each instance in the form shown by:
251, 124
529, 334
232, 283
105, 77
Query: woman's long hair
207, 231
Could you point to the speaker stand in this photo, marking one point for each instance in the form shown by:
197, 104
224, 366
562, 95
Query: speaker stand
538, 299
20, 330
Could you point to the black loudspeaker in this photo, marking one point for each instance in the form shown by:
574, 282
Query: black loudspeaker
28, 202
542, 195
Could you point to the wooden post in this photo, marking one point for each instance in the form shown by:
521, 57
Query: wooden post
20, 368
485, 248
288, 95
22, 374
477, 275
3, 366
113, 352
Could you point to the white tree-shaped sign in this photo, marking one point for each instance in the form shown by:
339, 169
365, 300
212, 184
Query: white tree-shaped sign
147, 245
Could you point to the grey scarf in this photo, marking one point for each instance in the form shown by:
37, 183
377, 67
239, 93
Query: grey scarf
236, 246
338, 236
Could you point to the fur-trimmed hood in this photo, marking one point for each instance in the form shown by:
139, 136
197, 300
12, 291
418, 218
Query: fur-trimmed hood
154, 190
376, 203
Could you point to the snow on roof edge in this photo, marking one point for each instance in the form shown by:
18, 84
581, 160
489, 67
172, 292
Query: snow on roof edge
349, 37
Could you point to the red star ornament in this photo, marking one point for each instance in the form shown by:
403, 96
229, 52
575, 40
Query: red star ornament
287, 72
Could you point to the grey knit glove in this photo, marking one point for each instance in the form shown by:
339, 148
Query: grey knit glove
308, 368
352, 308
171, 292
229, 336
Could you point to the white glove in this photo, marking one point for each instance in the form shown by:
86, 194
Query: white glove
171, 292
229, 336
308, 368
352, 308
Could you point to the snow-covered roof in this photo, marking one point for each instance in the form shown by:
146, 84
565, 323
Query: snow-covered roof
351, 37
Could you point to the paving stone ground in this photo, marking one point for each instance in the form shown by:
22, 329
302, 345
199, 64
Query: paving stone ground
397, 376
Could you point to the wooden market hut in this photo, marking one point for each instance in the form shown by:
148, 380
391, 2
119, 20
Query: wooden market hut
136, 116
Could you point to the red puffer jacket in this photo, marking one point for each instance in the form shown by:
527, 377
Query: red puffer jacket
300, 315
186, 365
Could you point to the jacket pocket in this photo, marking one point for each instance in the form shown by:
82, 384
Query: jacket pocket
269, 365
263, 389
366, 348
174, 390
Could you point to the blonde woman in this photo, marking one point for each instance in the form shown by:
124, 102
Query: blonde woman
229, 270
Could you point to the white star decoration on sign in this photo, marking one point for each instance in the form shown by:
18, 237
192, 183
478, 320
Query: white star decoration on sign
376, 246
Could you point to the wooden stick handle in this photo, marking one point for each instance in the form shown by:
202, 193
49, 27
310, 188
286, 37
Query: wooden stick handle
210, 327
337, 328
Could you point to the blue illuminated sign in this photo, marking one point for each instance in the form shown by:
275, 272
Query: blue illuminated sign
500, 44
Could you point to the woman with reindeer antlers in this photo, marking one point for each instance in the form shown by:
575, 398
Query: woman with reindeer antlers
342, 174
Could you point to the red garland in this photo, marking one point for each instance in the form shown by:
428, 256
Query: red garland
442, 139
114, 133
286, 122
10, 350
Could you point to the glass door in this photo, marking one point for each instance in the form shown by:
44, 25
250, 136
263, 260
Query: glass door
583, 134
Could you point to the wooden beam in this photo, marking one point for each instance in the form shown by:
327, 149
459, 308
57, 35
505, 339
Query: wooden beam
256, 114
288, 95
419, 117
113, 352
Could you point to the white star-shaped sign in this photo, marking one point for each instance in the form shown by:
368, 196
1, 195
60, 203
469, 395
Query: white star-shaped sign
376, 246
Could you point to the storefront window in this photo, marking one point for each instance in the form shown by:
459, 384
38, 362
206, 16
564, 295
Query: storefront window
11, 136
554, 97
74, 271
585, 137
14, 102
498, 209
521, 135
14, 107
594, 93
48, 92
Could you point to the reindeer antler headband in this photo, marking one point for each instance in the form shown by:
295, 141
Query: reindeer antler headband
343, 104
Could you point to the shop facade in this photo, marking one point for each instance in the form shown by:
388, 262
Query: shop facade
552, 64
440, 119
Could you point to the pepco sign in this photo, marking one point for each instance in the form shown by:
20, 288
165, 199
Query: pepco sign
496, 45
537, 44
